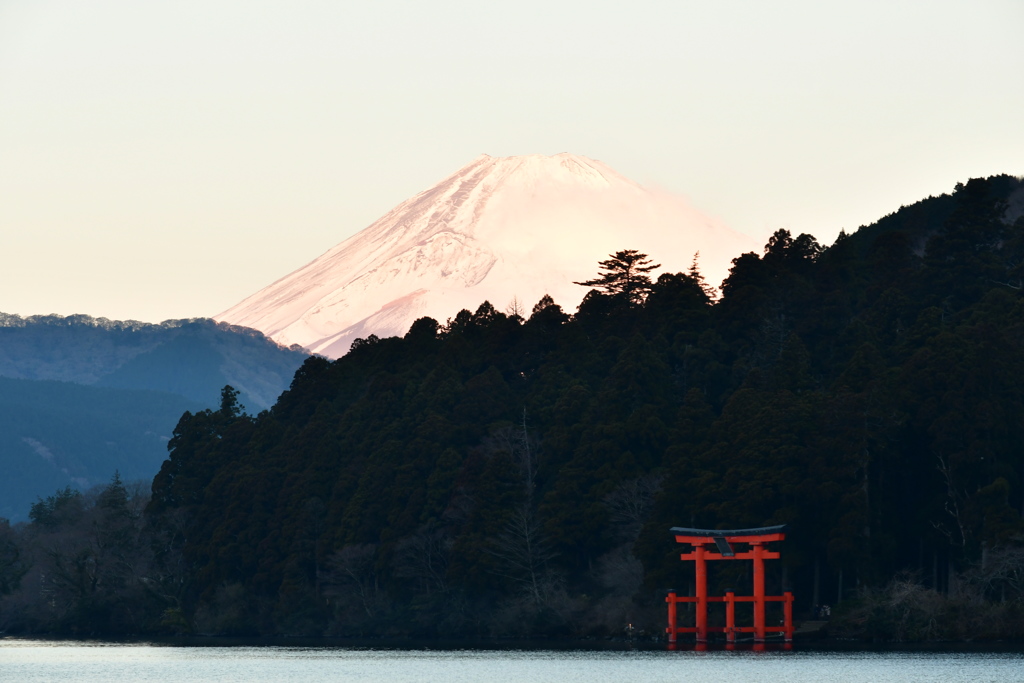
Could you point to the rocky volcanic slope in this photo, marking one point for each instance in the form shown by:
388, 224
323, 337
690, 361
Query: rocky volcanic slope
497, 229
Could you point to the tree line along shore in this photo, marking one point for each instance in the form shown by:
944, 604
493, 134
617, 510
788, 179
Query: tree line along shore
515, 472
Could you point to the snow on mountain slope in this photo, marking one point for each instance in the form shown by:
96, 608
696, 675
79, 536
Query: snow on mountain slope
501, 227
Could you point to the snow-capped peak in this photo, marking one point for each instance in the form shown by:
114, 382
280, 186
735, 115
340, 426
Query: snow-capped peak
498, 228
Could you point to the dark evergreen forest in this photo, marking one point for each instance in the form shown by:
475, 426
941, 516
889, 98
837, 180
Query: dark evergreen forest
515, 473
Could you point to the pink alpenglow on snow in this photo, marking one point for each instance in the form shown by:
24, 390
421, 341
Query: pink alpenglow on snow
497, 229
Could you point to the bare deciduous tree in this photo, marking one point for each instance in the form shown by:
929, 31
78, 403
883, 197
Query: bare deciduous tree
523, 554
952, 505
515, 308
424, 557
351, 575
1001, 574
631, 503
516, 444
620, 571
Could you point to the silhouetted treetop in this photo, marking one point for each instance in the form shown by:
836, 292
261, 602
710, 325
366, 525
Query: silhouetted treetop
625, 274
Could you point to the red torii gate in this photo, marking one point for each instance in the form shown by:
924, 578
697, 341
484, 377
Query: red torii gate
703, 540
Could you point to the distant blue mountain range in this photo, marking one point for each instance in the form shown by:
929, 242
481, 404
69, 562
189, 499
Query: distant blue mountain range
81, 397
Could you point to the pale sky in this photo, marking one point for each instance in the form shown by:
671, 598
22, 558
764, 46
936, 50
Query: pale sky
165, 159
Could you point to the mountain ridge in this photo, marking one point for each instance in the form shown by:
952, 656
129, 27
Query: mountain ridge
127, 354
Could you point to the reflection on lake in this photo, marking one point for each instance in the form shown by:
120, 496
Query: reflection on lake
28, 661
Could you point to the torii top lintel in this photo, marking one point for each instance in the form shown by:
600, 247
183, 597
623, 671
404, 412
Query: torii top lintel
763, 534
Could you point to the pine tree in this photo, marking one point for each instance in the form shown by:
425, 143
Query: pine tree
625, 274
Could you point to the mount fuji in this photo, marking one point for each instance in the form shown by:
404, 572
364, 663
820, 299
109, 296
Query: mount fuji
497, 229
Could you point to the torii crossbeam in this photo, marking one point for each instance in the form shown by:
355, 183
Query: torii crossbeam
717, 544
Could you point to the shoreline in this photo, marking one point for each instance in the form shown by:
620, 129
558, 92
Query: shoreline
501, 644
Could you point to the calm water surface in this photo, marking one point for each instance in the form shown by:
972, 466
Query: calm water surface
28, 661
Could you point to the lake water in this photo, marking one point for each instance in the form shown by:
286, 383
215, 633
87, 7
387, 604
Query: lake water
28, 661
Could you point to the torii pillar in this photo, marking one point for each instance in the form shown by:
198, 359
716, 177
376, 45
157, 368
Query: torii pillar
703, 542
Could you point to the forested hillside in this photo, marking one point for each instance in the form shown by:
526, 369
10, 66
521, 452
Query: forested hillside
83, 397
516, 472
57, 434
